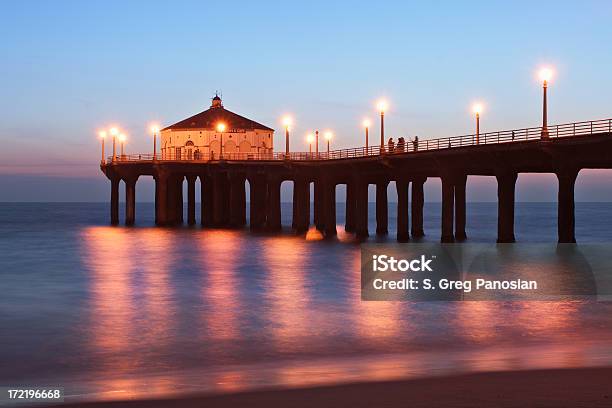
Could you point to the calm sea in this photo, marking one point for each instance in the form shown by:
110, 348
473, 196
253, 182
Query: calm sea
116, 312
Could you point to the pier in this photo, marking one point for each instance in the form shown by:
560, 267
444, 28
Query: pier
562, 149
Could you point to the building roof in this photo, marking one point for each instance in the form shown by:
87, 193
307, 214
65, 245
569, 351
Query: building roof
215, 114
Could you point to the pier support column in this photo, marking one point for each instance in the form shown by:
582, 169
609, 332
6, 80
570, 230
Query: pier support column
220, 199
114, 200
179, 199
565, 214
259, 191
237, 200
301, 196
191, 218
207, 199
349, 225
418, 201
448, 209
161, 199
319, 218
171, 200
460, 216
273, 205
330, 209
175, 199
506, 183
361, 209
130, 201
402, 210
382, 208
294, 204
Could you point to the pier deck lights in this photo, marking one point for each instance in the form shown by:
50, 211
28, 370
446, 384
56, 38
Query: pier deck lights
366, 124
477, 109
328, 136
287, 122
154, 131
309, 139
114, 133
102, 136
382, 107
545, 76
221, 128
122, 139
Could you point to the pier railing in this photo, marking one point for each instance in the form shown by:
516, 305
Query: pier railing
409, 146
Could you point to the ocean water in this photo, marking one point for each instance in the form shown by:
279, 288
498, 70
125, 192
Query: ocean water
117, 312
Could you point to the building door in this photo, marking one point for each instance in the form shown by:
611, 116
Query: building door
214, 148
177, 153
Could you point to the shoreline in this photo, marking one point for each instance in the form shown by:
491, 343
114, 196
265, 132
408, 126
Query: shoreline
579, 387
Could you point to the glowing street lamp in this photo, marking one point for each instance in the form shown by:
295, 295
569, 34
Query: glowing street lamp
287, 121
545, 76
382, 107
366, 125
154, 130
317, 143
114, 133
477, 109
328, 136
309, 139
122, 139
102, 136
221, 128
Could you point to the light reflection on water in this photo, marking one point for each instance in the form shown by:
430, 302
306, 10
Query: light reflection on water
280, 310
127, 312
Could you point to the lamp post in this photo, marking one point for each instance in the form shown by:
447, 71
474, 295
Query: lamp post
328, 136
102, 135
310, 139
287, 122
114, 132
366, 125
477, 110
154, 130
545, 76
221, 129
382, 106
122, 139
317, 143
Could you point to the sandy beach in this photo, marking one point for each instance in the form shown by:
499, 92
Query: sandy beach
588, 387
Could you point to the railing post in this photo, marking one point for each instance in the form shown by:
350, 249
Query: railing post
591, 127
574, 130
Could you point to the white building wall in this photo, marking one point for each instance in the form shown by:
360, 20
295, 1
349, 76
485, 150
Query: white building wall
206, 141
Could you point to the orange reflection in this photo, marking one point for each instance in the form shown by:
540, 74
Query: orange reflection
156, 259
313, 234
477, 320
217, 254
287, 291
375, 320
117, 259
108, 258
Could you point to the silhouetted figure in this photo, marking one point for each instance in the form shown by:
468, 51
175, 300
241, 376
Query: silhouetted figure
449, 144
391, 145
415, 143
401, 145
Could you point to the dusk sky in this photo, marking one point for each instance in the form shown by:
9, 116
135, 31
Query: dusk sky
70, 68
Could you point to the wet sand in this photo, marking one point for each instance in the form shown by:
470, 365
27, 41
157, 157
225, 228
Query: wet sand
589, 387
